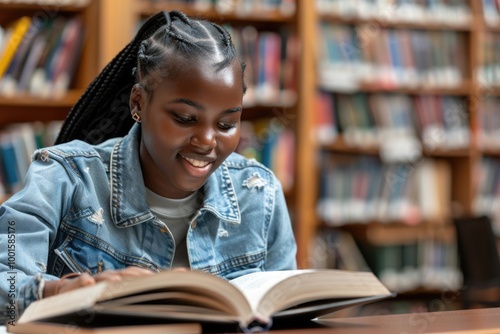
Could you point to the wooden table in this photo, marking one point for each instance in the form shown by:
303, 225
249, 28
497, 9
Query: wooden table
476, 321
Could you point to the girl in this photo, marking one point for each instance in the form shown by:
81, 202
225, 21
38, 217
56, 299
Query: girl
153, 183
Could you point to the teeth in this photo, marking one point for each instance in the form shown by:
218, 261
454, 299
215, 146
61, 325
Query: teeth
197, 163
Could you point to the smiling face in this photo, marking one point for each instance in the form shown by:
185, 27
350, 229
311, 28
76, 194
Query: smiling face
190, 123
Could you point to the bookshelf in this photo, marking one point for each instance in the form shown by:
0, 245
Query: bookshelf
24, 106
105, 26
364, 95
74, 36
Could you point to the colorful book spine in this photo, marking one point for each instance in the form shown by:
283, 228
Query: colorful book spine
19, 29
349, 59
363, 189
436, 11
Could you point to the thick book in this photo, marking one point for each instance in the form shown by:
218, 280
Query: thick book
250, 301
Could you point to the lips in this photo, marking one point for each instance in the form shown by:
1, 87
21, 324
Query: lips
197, 163
197, 168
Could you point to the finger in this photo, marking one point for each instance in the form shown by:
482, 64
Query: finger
180, 269
108, 275
85, 279
135, 271
75, 283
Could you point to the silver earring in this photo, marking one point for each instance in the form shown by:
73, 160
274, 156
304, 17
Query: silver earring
136, 117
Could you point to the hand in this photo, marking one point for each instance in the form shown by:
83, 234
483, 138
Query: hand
86, 279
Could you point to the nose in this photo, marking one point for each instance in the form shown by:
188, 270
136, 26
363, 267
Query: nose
204, 139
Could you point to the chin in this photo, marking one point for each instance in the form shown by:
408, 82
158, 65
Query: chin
192, 187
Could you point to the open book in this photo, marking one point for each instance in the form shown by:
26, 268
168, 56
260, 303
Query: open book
256, 299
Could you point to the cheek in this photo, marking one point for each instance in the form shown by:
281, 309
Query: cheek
165, 138
229, 141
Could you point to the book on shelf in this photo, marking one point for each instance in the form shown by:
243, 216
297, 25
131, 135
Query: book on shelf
271, 59
447, 12
388, 58
337, 249
63, 66
239, 7
488, 124
45, 61
363, 189
14, 36
76, 3
325, 123
18, 141
36, 81
401, 126
488, 71
339, 57
11, 179
11, 76
491, 12
443, 122
21, 83
434, 174
256, 300
411, 260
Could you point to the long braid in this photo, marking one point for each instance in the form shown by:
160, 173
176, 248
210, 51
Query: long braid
103, 111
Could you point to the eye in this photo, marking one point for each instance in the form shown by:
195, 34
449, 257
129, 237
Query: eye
184, 119
226, 125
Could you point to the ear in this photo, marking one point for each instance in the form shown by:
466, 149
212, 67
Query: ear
137, 96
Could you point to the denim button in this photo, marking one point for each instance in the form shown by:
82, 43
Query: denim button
193, 224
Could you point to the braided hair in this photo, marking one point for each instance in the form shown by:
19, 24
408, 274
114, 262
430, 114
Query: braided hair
103, 111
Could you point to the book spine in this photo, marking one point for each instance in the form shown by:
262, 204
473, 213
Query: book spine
19, 30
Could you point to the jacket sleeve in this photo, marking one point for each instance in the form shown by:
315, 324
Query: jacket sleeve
28, 225
281, 246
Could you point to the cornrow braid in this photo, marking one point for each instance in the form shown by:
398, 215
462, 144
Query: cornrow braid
103, 111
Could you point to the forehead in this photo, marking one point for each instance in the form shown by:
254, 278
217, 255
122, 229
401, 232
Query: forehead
188, 74
202, 81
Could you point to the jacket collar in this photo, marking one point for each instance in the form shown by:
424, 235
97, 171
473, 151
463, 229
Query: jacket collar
128, 192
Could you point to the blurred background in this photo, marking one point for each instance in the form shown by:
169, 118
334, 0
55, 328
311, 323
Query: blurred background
380, 118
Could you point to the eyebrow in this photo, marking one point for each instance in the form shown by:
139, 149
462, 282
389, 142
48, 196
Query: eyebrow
200, 107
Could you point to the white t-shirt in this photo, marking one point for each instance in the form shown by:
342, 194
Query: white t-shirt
176, 214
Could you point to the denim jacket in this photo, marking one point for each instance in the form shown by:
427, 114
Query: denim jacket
83, 209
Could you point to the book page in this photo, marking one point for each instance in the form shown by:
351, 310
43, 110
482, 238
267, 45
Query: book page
256, 285
270, 292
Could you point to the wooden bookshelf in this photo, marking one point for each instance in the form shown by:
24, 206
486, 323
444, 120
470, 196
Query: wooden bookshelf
23, 107
463, 161
147, 8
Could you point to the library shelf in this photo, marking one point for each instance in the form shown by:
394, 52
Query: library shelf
147, 8
27, 100
384, 22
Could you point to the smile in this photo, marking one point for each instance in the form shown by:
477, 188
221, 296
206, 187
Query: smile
197, 163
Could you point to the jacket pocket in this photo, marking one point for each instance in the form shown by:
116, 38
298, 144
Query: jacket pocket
64, 263
82, 253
